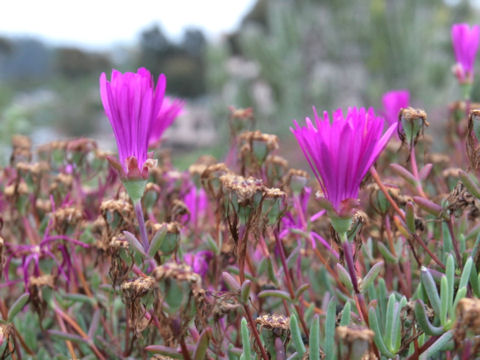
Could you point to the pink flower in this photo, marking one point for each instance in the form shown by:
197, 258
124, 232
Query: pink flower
196, 201
465, 45
341, 150
393, 101
171, 108
132, 104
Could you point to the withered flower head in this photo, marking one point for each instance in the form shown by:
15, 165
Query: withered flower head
43, 205
460, 199
278, 324
467, 326
15, 190
204, 161
413, 122
240, 119
138, 287
210, 179
179, 272
22, 148
473, 139
65, 218
83, 145
355, 339
244, 189
32, 169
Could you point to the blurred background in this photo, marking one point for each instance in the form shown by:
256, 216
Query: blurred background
278, 56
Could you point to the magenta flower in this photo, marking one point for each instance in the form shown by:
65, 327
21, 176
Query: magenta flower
393, 101
465, 45
171, 108
132, 104
198, 261
342, 150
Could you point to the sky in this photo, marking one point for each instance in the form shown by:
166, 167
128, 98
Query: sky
102, 23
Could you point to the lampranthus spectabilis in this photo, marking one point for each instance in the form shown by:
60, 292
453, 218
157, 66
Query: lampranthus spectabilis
465, 45
341, 150
132, 103
171, 109
393, 101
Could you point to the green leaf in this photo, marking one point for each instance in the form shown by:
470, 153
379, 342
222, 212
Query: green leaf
296, 336
466, 273
329, 340
231, 282
164, 350
474, 281
450, 273
245, 340
202, 345
134, 243
344, 277
157, 241
470, 184
17, 306
301, 290
430, 288
437, 346
314, 341
390, 323
245, 291
387, 255
423, 320
410, 217
275, 293
444, 299
371, 276
345, 319
66, 336
378, 339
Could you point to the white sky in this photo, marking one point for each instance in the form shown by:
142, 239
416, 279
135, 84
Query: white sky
100, 23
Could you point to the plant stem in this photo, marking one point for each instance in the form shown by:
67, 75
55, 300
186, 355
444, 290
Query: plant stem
402, 216
141, 225
256, 335
413, 160
454, 240
289, 281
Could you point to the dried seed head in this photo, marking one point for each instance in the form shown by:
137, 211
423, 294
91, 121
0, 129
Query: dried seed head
138, 287
278, 324
197, 169
460, 199
179, 272
22, 148
441, 160
467, 325
451, 172
82, 145
34, 169
244, 189
65, 218
15, 190
132, 293
2, 255
240, 119
413, 122
473, 139
296, 180
356, 339
210, 179
62, 181
178, 209
121, 208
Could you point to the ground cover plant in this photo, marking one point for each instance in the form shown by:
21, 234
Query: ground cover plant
121, 256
